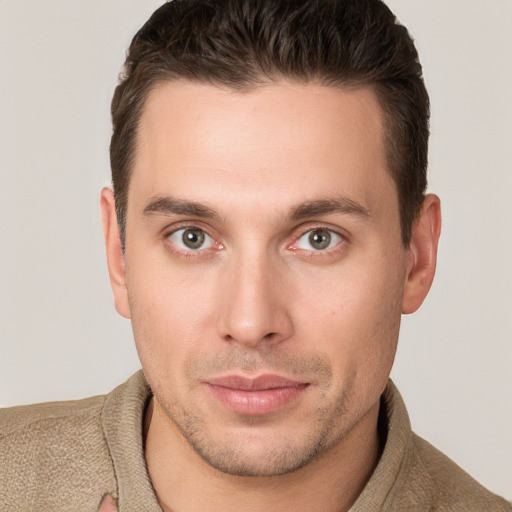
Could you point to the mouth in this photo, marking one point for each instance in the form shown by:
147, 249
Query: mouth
255, 396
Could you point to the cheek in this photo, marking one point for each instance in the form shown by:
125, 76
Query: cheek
354, 317
169, 312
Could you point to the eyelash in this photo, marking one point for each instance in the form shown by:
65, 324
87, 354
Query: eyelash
308, 253
190, 253
312, 253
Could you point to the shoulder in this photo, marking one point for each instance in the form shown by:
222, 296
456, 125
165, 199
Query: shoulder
24, 418
50, 430
413, 475
54, 451
449, 486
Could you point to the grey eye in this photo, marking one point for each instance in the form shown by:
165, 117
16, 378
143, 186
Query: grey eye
191, 239
318, 240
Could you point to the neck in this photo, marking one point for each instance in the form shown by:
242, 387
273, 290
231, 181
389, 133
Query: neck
183, 482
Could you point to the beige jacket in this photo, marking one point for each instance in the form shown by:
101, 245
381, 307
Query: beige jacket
66, 456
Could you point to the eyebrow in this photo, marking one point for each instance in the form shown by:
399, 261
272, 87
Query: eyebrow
171, 205
316, 208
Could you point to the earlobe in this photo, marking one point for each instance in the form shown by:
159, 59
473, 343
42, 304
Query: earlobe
422, 254
115, 257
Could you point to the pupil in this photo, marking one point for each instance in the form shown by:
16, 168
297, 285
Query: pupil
193, 238
320, 239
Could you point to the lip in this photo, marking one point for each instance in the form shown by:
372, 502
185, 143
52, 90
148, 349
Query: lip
257, 395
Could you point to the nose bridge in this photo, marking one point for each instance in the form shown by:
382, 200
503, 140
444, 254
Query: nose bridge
253, 311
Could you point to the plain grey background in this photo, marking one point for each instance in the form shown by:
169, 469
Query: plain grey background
60, 337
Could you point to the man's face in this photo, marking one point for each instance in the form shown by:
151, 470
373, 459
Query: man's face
264, 267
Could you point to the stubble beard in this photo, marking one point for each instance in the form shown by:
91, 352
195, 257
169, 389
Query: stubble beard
232, 458
326, 426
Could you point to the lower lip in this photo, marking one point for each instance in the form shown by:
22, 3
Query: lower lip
256, 402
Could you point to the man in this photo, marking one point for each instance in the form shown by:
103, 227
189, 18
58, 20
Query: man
268, 226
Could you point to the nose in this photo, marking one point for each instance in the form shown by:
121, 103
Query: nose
252, 298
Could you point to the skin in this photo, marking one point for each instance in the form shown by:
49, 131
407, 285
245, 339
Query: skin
108, 504
257, 298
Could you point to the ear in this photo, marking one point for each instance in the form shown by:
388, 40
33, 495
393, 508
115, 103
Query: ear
115, 257
422, 256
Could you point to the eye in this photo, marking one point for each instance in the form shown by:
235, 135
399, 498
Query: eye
318, 240
191, 239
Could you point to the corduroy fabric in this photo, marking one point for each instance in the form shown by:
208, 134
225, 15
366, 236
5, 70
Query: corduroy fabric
66, 456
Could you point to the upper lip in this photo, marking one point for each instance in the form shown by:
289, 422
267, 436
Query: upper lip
254, 383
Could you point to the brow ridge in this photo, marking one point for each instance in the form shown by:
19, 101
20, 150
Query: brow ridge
162, 205
318, 207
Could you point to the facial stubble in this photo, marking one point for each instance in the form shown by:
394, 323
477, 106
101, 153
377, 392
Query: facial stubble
256, 452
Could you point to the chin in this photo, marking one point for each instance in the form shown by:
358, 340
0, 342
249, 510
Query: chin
256, 449
257, 462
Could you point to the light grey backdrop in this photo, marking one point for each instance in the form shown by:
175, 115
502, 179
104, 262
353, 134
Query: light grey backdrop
60, 337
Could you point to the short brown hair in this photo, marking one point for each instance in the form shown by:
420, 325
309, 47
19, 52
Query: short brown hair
244, 43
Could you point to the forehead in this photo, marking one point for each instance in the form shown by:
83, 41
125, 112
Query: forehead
275, 144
